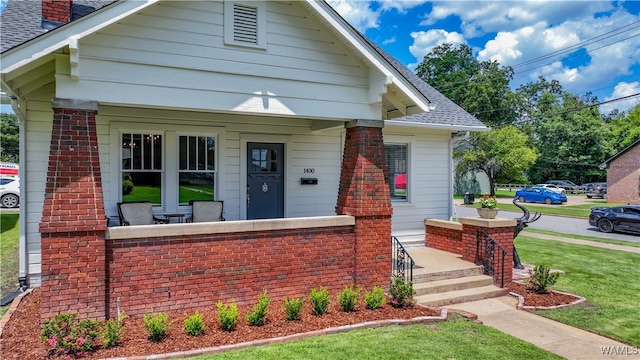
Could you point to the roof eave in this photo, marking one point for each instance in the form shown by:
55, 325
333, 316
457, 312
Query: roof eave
433, 126
47, 43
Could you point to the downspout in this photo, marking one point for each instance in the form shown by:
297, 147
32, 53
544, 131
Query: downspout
457, 138
23, 263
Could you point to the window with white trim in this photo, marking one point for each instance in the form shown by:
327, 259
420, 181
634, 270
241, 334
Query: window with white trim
141, 167
245, 23
397, 174
196, 168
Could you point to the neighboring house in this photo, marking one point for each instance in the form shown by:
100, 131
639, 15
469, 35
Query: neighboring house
236, 101
623, 175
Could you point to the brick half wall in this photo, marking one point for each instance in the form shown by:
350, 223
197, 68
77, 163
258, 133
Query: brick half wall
195, 271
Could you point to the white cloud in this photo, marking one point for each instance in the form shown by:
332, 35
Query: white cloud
389, 41
425, 41
357, 13
621, 90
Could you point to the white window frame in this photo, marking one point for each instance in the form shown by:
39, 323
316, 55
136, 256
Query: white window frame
215, 171
162, 171
261, 31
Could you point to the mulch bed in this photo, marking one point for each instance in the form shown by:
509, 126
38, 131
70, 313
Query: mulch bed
551, 299
21, 335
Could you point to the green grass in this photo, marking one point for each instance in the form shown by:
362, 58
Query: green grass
582, 237
453, 339
9, 242
144, 193
609, 279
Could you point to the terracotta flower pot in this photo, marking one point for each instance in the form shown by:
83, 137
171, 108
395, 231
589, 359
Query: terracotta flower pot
487, 213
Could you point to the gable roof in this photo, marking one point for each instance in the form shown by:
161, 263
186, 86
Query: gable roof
624, 151
22, 27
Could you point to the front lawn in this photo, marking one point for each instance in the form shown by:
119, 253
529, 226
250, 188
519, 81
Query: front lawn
453, 339
9, 242
607, 278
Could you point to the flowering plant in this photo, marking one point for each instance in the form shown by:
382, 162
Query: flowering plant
488, 202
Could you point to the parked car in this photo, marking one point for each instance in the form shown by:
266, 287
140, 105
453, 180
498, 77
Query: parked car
9, 192
596, 190
554, 188
565, 184
540, 195
625, 218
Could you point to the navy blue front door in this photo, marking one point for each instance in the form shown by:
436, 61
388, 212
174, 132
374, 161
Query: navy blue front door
265, 181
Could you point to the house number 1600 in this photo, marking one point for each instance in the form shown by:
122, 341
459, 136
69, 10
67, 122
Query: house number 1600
309, 170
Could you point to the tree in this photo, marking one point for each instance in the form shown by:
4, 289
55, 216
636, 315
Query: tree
625, 130
481, 88
9, 138
503, 154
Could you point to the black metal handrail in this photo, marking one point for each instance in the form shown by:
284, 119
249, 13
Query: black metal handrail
400, 261
488, 258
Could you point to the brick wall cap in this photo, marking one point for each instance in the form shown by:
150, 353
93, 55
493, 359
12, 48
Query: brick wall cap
364, 123
488, 223
75, 104
161, 230
453, 225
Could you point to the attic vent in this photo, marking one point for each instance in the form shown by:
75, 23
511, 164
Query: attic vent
245, 24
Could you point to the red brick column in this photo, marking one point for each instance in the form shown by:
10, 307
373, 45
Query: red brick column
364, 194
501, 230
73, 221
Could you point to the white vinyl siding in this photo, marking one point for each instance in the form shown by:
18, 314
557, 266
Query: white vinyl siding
173, 54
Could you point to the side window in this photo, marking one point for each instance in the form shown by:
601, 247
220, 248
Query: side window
397, 162
141, 167
196, 168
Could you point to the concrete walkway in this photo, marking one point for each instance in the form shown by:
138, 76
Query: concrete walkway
566, 341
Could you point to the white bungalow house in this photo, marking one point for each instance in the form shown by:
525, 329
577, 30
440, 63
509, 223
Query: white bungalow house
240, 101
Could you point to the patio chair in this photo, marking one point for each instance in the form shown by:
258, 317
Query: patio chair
138, 213
206, 211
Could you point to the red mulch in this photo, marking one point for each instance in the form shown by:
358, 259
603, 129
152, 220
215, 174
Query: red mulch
21, 339
542, 300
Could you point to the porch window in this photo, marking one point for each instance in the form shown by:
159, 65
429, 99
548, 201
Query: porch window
196, 168
396, 156
141, 168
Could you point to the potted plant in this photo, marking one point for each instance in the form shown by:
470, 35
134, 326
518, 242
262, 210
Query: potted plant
488, 207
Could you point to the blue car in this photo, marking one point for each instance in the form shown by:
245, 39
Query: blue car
540, 195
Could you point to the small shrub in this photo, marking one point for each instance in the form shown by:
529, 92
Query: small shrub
320, 301
348, 298
65, 336
375, 298
541, 278
113, 332
257, 316
292, 308
157, 325
227, 316
401, 293
194, 325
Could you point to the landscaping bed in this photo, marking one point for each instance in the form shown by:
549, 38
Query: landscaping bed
21, 335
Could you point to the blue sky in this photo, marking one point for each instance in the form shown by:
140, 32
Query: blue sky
592, 46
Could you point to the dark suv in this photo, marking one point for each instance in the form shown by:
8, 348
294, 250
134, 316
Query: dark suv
596, 190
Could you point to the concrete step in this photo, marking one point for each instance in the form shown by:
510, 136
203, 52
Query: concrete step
455, 284
464, 270
411, 240
460, 296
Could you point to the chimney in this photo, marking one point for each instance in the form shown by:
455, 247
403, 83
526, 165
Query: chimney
56, 11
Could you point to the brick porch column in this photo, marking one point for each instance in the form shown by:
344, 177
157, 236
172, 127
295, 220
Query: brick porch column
73, 220
501, 230
364, 194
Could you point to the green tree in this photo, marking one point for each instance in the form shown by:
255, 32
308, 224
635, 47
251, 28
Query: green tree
625, 130
571, 137
481, 88
503, 154
9, 138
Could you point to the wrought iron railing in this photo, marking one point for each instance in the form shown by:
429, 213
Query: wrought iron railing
401, 262
490, 254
